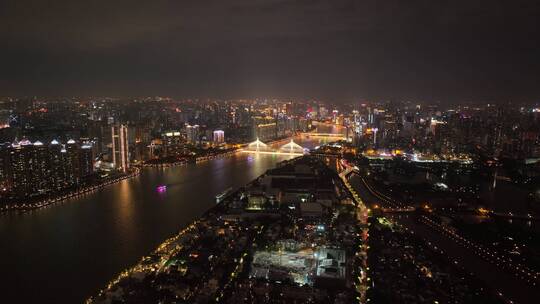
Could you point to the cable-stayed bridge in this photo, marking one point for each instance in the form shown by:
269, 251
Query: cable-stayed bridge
290, 148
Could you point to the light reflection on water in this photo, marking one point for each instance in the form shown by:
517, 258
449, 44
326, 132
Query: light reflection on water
80, 245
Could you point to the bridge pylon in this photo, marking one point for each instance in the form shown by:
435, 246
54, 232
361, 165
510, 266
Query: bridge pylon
291, 148
257, 146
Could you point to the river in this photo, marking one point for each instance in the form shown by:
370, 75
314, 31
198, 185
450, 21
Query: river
66, 253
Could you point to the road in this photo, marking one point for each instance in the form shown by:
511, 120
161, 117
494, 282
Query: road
496, 277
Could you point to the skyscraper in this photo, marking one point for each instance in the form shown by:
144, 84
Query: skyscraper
20, 173
86, 160
120, 147
72, 162
192, 133
5, 183
219, 137
56, 163
40, 167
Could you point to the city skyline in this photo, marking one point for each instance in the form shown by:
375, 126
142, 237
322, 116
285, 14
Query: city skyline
98, 182
270, 151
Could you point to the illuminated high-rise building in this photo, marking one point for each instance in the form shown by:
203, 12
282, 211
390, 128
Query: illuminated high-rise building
40, 167
5, 183
192, 133
120, 147
219, 137
86, 163
21, 177
71, 158
56, 164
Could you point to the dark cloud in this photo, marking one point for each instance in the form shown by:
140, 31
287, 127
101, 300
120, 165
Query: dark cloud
444, 50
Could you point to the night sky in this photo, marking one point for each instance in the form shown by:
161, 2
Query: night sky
335, 49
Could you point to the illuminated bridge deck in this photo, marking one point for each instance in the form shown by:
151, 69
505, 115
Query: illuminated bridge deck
333, 135
290, 148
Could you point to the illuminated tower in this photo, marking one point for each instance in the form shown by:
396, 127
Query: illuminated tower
72, 164
21, 174
219, 137
5, 180
41, 179
86, 160
57, 165
375, 130
120, 147
192, 133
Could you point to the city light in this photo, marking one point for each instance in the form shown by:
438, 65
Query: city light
271, 152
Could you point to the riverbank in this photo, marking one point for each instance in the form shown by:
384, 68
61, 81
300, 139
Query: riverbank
159, 257
109, 230
216, 156
197, 160
210, 259
211, 157
25, 207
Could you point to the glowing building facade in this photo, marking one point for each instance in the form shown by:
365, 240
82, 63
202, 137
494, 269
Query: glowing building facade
120, 147
192, 133
219, 137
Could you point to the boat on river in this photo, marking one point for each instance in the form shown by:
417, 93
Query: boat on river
220, 197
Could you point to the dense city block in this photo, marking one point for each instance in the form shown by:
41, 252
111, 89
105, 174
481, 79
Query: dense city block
376, 202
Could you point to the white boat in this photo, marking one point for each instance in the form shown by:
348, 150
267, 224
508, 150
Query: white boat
220, 197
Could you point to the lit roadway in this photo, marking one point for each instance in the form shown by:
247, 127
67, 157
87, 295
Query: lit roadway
332, 135
512, 282
361, 283
273, 153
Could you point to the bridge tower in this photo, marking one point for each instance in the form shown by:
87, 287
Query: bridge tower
292, 148
257, 146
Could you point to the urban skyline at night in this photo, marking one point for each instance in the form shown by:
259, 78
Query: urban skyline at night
270, 151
